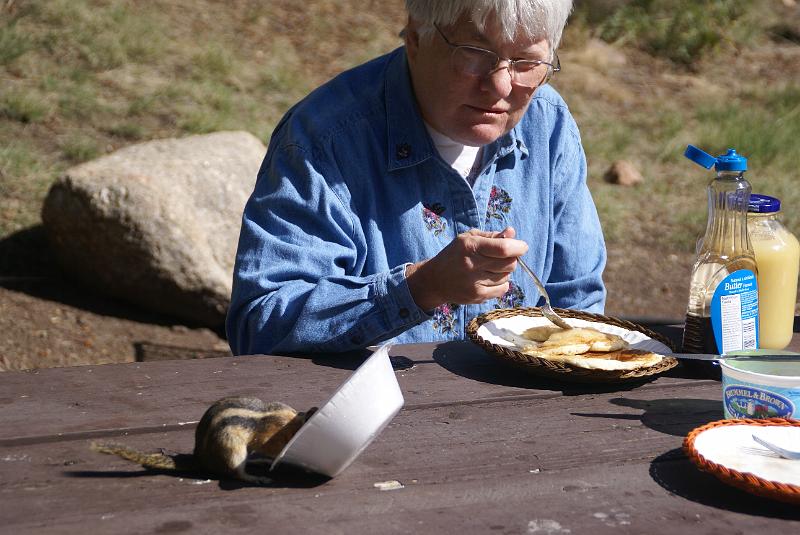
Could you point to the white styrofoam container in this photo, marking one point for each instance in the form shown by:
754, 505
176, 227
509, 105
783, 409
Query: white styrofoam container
351, 419
761, 389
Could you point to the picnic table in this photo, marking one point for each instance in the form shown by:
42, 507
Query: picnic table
479, 447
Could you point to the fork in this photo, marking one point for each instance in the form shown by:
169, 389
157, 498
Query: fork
783, 452
547, 310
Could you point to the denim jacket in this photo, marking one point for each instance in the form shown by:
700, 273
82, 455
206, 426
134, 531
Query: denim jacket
352, 189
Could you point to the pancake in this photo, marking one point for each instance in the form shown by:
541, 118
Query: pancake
573, 341
540, 333
624, 359
586, 348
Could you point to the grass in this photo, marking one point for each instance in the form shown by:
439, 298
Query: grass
727, 106
23, 107
83, 77
766, 124
765, 121
13, 43
127, 130
100, 35
79, 101
762, 124
78, 148
24, 179
215, 63
679, 30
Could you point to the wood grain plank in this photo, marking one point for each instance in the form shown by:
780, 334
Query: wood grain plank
603, 501
80, 402
601, 463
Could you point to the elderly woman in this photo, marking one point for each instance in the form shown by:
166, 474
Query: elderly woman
394, 200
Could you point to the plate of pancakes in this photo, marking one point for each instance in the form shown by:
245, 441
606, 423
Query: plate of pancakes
596, 349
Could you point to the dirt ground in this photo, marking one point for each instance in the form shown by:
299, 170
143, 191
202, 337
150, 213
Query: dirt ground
48, 320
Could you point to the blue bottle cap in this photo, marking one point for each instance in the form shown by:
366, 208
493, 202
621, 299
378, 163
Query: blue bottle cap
730, 161
699, 156
763, 204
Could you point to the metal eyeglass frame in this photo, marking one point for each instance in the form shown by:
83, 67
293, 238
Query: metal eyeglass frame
552, 67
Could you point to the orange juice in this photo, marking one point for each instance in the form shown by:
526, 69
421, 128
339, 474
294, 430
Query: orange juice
777, 255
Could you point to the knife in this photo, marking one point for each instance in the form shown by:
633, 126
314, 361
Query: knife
695, 356
715, 358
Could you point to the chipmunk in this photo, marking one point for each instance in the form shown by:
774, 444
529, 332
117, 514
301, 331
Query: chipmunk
229, 431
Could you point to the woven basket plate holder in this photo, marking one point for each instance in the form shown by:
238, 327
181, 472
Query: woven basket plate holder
499, 333
726, 449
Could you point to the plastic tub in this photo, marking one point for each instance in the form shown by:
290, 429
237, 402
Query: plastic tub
761, 389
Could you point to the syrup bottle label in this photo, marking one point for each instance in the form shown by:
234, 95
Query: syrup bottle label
734, 312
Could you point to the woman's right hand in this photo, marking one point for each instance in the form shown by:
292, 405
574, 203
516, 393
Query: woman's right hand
473, 268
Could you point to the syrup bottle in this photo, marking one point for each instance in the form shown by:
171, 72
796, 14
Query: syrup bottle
722, 313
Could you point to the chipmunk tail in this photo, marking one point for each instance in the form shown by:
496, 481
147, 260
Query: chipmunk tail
158, 461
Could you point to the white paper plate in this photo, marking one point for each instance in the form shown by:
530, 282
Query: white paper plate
733, 447
507, 332
356, 413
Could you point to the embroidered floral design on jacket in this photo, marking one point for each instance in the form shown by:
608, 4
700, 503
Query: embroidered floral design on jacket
431, 215
499, 204
444, 318
513, 298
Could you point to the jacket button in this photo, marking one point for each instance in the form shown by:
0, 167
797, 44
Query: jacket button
403, 151
404, 313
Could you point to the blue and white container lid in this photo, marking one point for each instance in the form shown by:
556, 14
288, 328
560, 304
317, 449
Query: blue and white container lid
763, 204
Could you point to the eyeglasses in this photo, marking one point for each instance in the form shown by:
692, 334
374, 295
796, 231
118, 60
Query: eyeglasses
475, 61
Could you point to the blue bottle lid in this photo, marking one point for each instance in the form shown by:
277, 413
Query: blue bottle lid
730, 161
763, 204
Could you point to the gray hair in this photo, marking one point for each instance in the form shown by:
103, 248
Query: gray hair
535, 19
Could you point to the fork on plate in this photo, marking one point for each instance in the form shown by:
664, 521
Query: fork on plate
783, 452
547, 310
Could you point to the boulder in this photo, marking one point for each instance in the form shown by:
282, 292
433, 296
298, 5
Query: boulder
157, 223
623, 173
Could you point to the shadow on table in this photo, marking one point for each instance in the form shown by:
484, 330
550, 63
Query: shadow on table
675, 417
402, 356
352, 360
675, 473
342, 361
285, 477
470, 361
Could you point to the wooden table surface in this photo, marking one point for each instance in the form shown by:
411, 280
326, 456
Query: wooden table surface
478, 448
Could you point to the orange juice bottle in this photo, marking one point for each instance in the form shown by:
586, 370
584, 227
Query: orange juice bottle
777, 255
